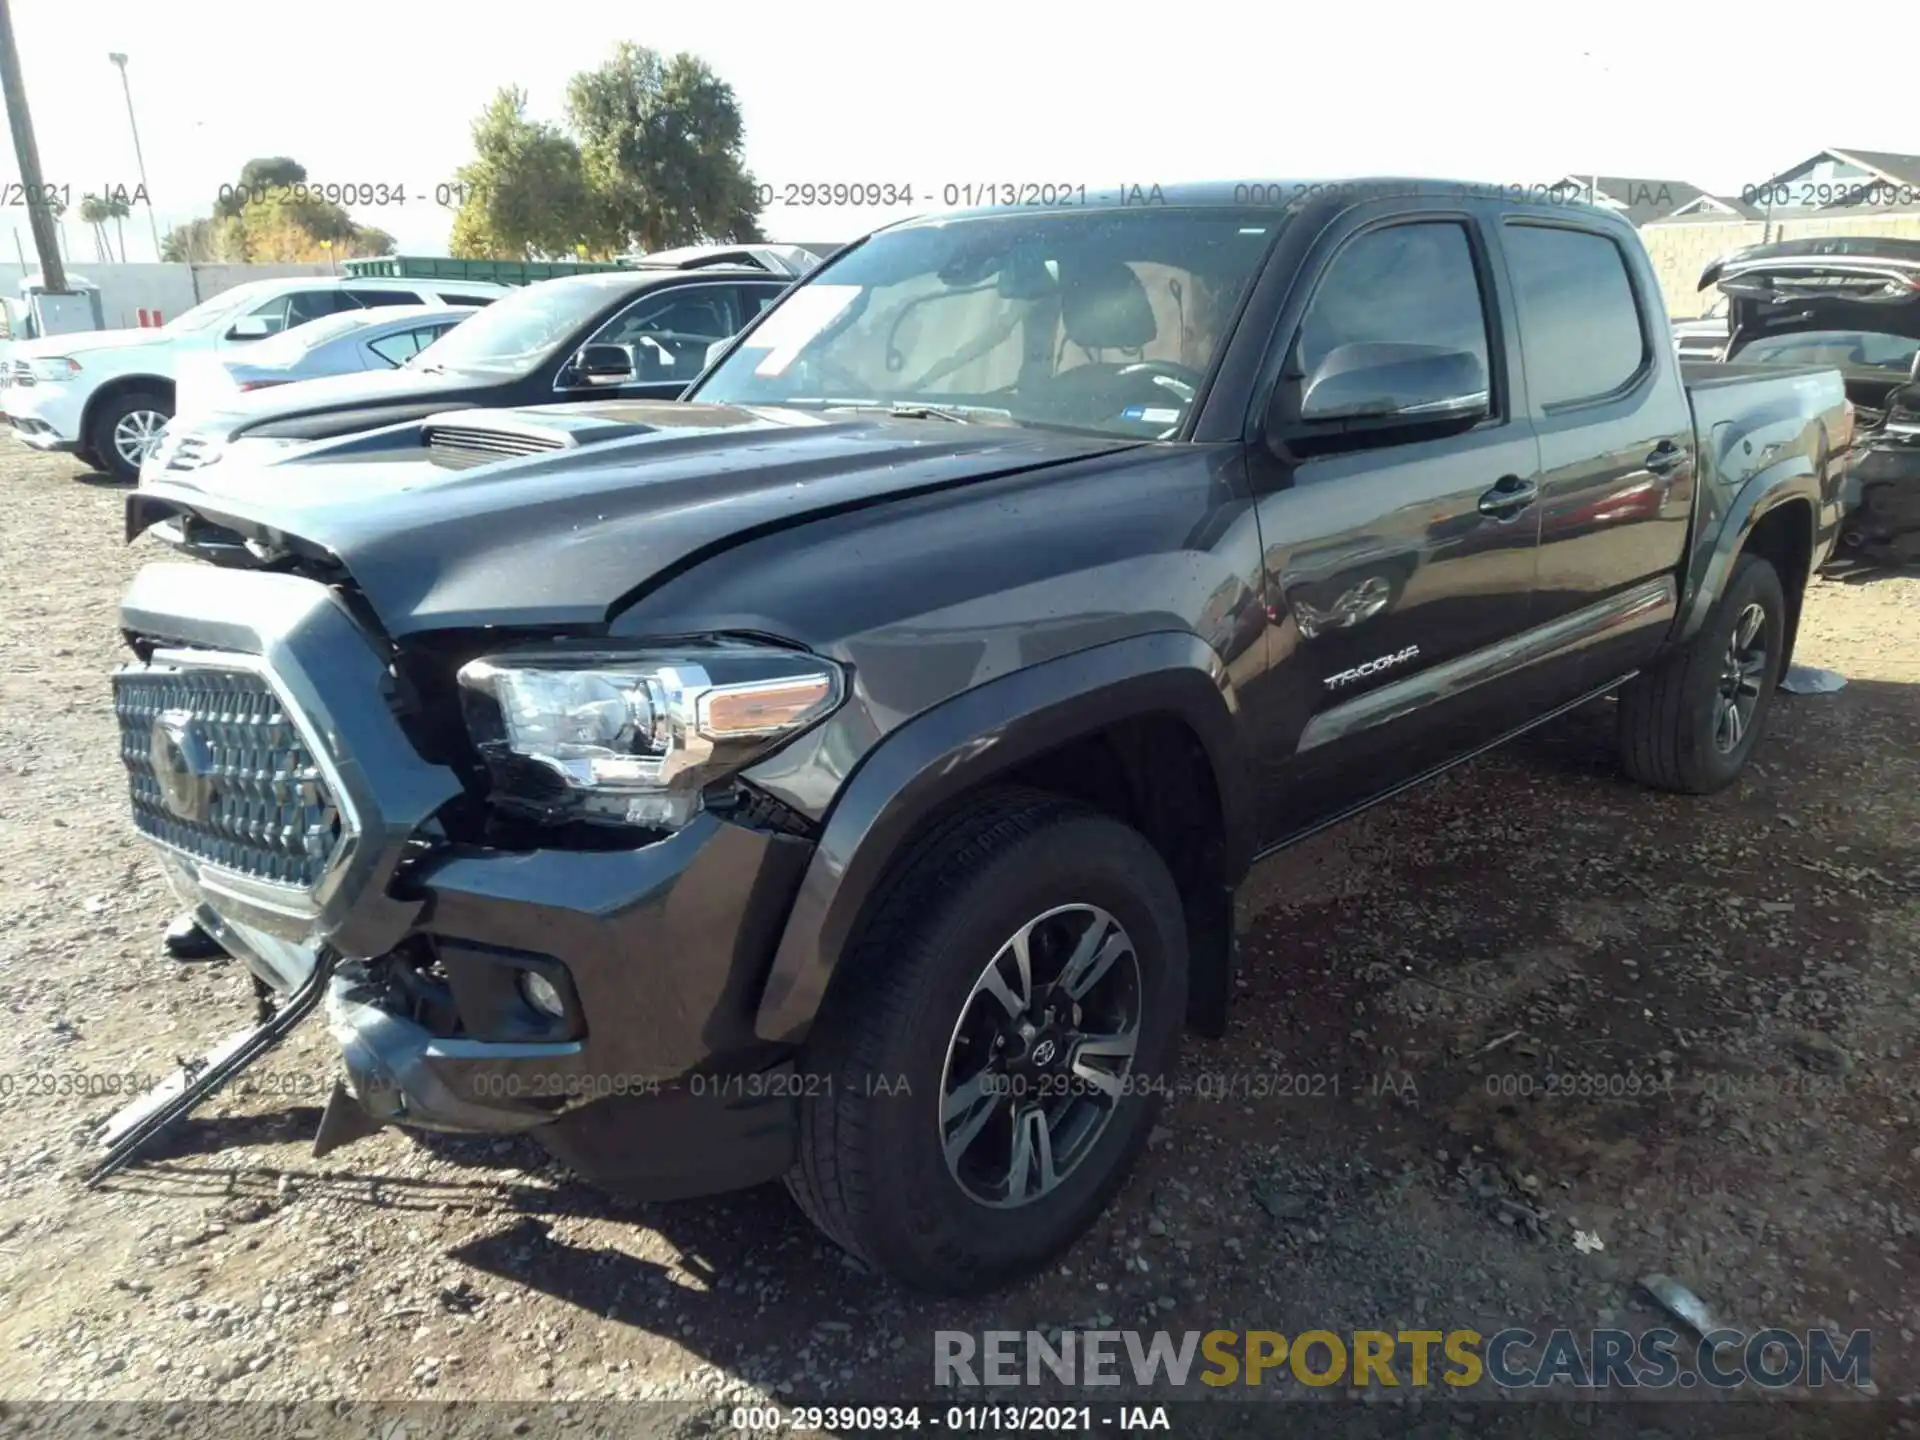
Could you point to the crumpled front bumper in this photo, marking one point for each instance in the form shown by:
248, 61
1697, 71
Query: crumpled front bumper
659, 951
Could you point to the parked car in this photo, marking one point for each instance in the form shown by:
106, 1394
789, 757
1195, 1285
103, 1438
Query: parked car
632, 334
1704, 338
845, 776
348, 343
1853, 304
104, 397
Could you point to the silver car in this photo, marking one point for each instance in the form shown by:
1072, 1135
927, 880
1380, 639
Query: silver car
345, 343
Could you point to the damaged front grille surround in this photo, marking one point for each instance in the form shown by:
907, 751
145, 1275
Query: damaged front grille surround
220, 771
227, 776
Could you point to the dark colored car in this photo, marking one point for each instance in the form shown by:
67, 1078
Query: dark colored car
1852, 303
844, 774
630, 334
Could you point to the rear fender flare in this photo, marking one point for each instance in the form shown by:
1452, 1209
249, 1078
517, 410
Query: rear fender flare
1756, 500
966, 741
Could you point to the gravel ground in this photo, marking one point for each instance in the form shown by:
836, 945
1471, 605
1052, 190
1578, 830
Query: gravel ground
1734, 978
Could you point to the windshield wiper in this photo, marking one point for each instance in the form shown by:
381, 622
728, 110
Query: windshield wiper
913, 409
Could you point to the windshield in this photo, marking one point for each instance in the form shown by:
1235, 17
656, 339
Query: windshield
1846, 349
1100, 321
290, 345
513, 335
215, 308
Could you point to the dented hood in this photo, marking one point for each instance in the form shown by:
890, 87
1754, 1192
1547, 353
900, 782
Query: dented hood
568, 537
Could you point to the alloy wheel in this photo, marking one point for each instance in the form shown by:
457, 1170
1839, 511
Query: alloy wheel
1041, 1055
1742, 670
135, 435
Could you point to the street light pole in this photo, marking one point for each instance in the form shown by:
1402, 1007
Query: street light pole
120, 61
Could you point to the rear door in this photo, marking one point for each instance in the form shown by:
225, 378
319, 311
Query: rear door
1398, 564
1616, 441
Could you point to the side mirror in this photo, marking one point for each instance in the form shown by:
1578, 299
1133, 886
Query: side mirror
604, 365
251, 327
1380, 386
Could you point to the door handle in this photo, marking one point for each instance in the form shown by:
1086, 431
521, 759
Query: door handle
1509, 497
1666, 458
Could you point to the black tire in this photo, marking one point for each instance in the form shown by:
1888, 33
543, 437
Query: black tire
872, 1172
1669, 715
100, 437
90, 460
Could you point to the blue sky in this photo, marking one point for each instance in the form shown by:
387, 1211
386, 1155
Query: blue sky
989, 91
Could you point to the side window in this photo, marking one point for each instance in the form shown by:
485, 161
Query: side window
397, 349
756, 298
1579, 321
1407, 284
669, 333
283, 312
372, 299
312, 304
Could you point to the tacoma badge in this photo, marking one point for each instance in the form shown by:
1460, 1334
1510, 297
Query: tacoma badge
1372, 667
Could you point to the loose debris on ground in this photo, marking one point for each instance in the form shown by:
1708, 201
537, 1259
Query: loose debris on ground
1501, 1049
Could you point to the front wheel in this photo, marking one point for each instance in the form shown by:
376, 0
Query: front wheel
988, 1073
126, 430
1692, 723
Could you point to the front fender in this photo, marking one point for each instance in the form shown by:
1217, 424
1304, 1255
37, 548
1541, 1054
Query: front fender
969, 739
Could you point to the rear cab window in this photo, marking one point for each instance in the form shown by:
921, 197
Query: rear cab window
1582, 333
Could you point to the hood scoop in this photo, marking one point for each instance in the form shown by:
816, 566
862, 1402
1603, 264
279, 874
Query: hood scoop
465, 438
463, 445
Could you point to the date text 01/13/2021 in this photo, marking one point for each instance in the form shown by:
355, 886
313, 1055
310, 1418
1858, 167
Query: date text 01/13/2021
957, 1419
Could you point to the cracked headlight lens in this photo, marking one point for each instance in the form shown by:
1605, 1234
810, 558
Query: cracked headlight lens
635, 736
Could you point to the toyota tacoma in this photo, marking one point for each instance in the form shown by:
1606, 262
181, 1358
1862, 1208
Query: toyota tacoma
843, 775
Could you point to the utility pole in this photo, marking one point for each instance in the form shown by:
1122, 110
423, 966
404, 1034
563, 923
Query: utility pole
120, 60
45, 241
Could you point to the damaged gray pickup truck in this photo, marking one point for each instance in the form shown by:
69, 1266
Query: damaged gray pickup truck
843, 775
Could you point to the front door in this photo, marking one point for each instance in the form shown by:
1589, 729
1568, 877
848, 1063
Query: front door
668, 333
1399, 563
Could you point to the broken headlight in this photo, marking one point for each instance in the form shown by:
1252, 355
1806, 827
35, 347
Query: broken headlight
635, 736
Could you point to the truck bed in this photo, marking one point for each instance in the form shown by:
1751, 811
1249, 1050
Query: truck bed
1758, 421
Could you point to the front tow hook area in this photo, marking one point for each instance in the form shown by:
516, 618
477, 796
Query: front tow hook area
129, 1131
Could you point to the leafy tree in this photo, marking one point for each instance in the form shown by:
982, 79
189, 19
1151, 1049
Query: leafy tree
661, 145
257, 220
261, 174
299, 227
524, 194
210, 238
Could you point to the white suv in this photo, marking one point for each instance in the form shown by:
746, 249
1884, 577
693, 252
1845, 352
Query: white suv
105, 395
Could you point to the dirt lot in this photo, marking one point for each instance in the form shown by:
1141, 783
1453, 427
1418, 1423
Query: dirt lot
1731, 983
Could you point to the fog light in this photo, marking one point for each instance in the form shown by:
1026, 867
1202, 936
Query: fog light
542, 995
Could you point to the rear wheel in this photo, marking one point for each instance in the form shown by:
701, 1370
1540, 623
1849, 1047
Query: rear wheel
981, 1086
126, 429
1691, 724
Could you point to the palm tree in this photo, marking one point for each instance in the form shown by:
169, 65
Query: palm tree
117, 208
96, 211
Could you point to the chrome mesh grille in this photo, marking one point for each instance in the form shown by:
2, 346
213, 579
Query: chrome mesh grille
266, 811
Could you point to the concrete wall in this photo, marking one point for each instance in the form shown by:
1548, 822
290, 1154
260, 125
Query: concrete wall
169, 289
1682, 249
